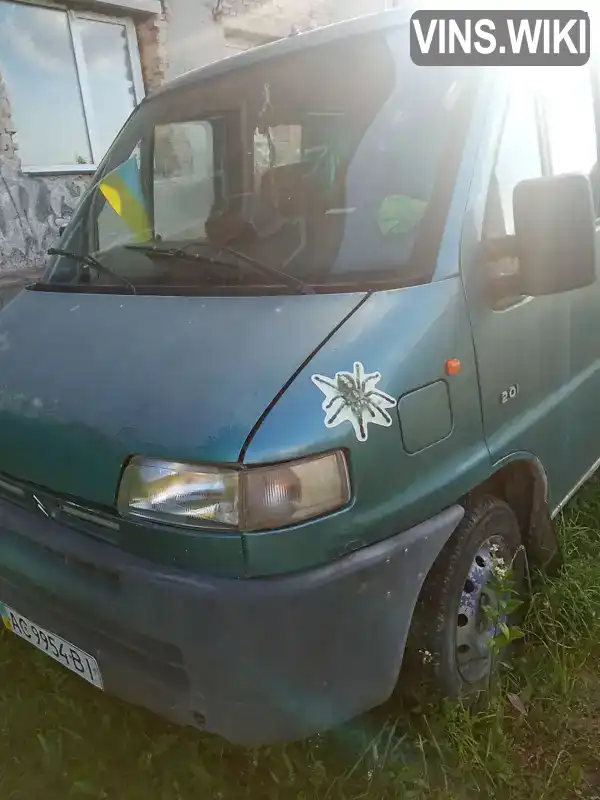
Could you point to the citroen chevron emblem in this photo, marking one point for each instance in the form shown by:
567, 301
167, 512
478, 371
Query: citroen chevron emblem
40, 505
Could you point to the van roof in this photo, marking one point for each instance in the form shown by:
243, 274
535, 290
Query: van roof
367, 23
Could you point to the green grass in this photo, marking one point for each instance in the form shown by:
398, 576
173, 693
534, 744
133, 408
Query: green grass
62, 739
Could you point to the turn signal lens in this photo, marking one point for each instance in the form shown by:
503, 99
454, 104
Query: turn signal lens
288, 493
453, 366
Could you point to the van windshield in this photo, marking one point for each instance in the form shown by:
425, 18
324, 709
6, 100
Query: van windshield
331, 166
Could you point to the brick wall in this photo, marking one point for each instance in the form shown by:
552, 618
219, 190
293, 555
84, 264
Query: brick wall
152, 42
234, 7
8, 142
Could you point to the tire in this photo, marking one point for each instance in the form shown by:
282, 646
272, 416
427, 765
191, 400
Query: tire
448, 612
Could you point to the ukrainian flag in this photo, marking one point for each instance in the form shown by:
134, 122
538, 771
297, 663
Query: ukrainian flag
123, 193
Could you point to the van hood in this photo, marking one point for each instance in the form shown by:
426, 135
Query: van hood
87, 380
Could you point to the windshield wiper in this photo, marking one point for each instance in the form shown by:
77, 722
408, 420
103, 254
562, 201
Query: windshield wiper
184, 253
266, 269
90, 261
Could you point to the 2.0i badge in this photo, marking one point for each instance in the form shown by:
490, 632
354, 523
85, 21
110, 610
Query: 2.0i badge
509, 394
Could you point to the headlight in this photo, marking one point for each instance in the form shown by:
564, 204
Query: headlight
256, 498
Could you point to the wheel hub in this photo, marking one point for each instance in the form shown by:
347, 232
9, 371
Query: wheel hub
474, 629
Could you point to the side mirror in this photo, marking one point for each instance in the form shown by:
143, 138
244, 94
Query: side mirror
555, 234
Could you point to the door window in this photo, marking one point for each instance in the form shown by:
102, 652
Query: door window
518, 158
571, 123
571, 126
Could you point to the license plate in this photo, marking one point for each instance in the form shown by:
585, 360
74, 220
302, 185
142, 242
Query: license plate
64, 652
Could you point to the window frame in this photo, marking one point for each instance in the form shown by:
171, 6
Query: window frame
594, 81
73, 16
545, 125
541, 140
507, 301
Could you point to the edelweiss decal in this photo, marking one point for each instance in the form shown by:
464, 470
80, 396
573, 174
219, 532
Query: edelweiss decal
352, 397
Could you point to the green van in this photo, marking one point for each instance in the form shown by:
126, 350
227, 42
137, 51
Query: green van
320, 345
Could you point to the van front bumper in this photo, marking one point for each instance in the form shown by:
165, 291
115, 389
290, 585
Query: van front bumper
256, 661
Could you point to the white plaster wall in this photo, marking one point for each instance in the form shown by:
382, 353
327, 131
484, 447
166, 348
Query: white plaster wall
195, 39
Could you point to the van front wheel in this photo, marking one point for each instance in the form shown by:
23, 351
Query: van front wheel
453, 627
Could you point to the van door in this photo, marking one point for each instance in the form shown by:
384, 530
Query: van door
570, 132
521, 343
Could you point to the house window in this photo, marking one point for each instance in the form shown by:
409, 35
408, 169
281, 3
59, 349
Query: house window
73, 79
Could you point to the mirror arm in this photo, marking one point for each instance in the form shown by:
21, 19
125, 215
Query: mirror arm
503, 286
501, 247
507, 284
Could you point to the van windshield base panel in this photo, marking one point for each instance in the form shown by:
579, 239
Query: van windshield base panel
89, 262
248, 263
305, 167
